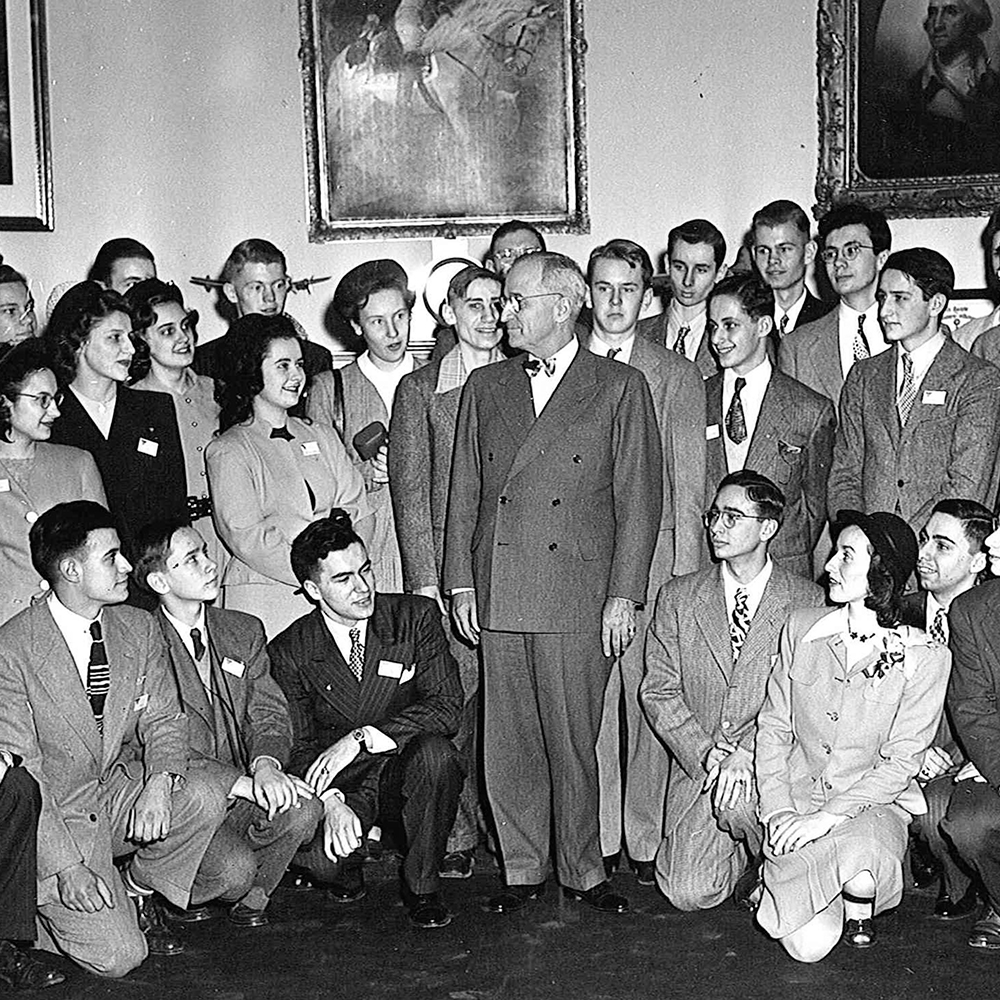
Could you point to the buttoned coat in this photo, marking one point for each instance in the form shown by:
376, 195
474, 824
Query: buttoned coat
45, 717
548, 517
792, 445
810, 354
693, 693
948, 447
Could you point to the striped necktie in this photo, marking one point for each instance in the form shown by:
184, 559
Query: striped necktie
907, 390
98, 675
739, 625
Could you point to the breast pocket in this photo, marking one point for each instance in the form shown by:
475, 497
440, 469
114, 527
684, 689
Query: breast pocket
791, 462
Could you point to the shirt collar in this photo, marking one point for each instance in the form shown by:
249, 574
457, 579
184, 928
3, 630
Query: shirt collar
183, 629
68, 620
563, 357
755, 587
756, 379
835, 623
792, 312
924, 355
600, 347
342, 633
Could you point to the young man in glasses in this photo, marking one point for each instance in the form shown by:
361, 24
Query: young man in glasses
855, 243
511, 241
759, 418
17, 308
709, 650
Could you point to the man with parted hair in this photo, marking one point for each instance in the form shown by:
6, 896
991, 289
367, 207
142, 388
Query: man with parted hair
510, 241
709, 649
122, 263
17, 308
553, 514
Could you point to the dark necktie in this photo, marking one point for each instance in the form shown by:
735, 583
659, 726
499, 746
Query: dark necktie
357, 658
282, 432
939, 631
680, 344
861, 348
613, 352
533, 366
739, 625
736, 425
98, 675
783, 325
197, 644
907, 390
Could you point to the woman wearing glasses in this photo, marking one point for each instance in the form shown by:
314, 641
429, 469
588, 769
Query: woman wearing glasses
34, 474
851, 706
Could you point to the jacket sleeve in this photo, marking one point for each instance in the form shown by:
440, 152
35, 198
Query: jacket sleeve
817, 472
162, 726
463, 493
844, 489
684, 461
306, 743
267, 722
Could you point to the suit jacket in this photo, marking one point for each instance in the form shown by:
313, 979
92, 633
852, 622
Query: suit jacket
141, 487
693, 693
812, 310
654, 328
791, 445
946, 449
248, 715
46, 718
409, 686
549, 516
987, 345
811, 355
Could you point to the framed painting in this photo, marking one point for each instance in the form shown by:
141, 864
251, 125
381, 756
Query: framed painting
909, 106
440, 118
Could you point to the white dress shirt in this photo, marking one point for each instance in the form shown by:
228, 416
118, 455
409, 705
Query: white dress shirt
600, 348
923, 357
75, 630
754, 589
544, 385
847, 319
385, 382
696, 329
752, 397
792, 312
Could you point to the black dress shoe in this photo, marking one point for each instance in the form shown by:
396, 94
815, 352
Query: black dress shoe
350, 886
152, 923
645, 872
925, 870
513, 898
947, 908
246, 916
611, 862
859, 933
986, 931
746, 892
426, 909
22, 971
192, 915
601, 897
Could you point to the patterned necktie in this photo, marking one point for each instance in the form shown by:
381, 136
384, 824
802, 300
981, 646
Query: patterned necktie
357, 659
861, 348
98, 675
907, 390
613, 352
282, 432
939, 627
680, 344
736, 425
533, 366
197, 644
740, 623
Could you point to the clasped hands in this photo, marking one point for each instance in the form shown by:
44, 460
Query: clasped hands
788, 831
341, 825
730, 772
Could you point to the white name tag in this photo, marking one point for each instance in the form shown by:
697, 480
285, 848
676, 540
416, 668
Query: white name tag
711, 432
148, 447
4, 486
233, 667
141, 702
310, 448
387, 668
934, 397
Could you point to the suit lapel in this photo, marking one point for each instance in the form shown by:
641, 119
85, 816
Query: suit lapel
330, 670
122, 693
377, 690
940, 378
512, 396
883, 372
192, 691
769, 420
768, 619
711, 617
715, 451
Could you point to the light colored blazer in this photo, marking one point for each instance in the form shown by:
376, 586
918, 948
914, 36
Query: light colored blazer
693, 694
829, 737
654, 328
811, 355
946, 449
46, 718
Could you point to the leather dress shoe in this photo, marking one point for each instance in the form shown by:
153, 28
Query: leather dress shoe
645, 872
22, 971
947, 908
152, 923
350, 887
601, 897
859, 933
426, 909
747, 891
192, 915
514, 898
986, 931
246, 916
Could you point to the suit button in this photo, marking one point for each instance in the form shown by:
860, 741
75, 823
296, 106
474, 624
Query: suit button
833, 716
577, 459
553, 547
93, 817
556, 502
827, 785
900, 483
726, 723
503, 500
827, 747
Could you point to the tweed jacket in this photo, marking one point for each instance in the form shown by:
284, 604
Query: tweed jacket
948, 447
791, 445
810, 354
693, 693
46, 718
829, 737
987, 346
549, 516
654, 328
812, 310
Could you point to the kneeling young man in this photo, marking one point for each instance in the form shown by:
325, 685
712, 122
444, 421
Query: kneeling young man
238, 726
374, 695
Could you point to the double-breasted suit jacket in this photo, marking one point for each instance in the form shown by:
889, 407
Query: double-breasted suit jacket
548, 517
409, 687
948, 447
693, 693
810, 354
792, 445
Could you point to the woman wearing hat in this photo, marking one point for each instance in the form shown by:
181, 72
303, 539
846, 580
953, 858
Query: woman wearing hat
852, 704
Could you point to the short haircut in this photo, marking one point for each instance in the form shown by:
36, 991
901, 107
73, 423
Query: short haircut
760, 491
750, 290
11, 276
63, 530
459, 285
17, 365
977, 521
152, 547
625, 250
854, 213
514, 226
699, 231
120, 248
333, 533
562, 274
781, 213
926, 268
366, 280
252, 251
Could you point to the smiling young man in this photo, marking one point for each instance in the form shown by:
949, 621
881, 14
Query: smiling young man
920, 422
759, 418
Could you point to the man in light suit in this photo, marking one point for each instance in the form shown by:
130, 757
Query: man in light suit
238, 726
88, 700
855, 244
618, 289
921, 422
758, 418
709, 650
553, 515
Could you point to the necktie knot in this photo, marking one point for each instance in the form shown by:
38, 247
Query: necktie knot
861, 348
783, 325
907, 389
534, 365
613, 352
95, 631
282, 432
197, 644
680, 344
98, 674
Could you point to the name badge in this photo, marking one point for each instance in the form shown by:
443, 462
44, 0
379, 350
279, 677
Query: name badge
933, 397
310, 448
711, 432
387, 668
148, 447
4, 486
233, 667
141, 702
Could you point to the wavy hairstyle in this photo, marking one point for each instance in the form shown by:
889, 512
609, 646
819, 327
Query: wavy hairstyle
17, 365
143, 298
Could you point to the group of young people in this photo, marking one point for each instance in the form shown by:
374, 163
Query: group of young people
259, 607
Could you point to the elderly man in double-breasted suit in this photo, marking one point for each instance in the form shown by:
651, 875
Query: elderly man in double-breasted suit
709, 650
553, 515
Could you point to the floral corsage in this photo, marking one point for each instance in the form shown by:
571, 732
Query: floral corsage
891, 658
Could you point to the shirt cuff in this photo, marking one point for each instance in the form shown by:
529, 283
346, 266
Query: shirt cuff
332, 793
461, 590
376, 741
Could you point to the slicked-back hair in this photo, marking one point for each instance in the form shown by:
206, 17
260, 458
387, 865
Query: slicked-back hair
633, 255
333, 533
750, 290
252, 251
17, 365
855, 213
977, 520
927, 269
782, 213
63, 530
514, 226
152, 549
11, 276
699, 231
562, 274
764, 494
120, 248
459, 285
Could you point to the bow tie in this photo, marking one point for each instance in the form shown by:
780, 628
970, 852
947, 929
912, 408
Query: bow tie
533, 366
282, 432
